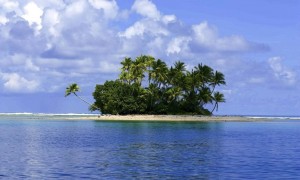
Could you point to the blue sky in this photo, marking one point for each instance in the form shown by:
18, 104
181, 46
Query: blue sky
46, 45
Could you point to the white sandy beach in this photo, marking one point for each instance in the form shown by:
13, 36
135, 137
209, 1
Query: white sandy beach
168, 118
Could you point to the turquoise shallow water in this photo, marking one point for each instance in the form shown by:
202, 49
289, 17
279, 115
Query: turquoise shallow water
32, 148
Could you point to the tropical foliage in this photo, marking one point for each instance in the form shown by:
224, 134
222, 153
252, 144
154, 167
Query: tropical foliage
73, 89
148, 86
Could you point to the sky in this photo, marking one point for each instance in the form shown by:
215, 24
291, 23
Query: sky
47, 45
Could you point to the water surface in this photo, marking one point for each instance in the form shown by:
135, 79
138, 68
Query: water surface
41, 148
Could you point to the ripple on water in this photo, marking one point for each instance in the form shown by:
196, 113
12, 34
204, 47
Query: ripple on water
118, 150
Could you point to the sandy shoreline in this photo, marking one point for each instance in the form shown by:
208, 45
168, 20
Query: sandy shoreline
160, 118
168, 118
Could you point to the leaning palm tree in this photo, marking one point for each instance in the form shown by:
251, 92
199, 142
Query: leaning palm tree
73, 89
218, 97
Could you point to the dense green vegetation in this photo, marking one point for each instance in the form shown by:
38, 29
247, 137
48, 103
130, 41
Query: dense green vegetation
148, 86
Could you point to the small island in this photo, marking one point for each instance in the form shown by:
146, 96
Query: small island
147, 86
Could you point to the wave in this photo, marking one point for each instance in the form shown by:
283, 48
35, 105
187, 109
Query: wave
48, 114
275, 117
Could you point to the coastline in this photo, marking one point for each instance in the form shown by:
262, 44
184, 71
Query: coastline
170, 118
142, 118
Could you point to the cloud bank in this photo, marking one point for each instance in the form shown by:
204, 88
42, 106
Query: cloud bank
48, 43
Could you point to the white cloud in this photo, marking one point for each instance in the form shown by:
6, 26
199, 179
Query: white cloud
108, 67
84, 39
257, 80
16, 83
156, 46
29, 65
282, 72
3, 20
76, 8
146, 8
50, 20
138, 29
24, 62
53, 4
109, 7
51, 17
9, 5
177, 45
207, 36
32, 13
145, 27
204, 34
169, 19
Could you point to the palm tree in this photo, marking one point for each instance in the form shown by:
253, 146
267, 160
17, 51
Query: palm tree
172, 98
176, 73
191, 81
126, 74
204, 74
73, 89
159, 72
149, 61
173, 93
180, 66
218, 97
152, 92
178, 78
217, 80
205, 96
138, 68
189, 86
126, 64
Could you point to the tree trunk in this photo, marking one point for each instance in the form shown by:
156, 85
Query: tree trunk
215, 107
86, 101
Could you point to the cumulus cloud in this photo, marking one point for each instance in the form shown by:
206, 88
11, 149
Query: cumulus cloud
17, 36
281, 72
137, 29
16, 83
9, 5
177, 45
169, 19
109, 7
143, 28
50, 20
206, 37
153, 23
21, 62
146, 8
21, 30
59, 41
3, 19
33, 13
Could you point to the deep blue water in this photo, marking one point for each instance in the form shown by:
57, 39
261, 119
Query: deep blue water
60, 149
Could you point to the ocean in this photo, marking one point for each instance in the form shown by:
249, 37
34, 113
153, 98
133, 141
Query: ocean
47, 146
